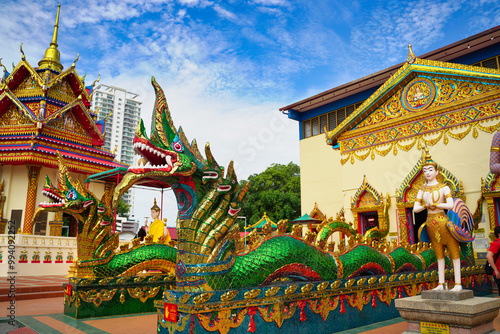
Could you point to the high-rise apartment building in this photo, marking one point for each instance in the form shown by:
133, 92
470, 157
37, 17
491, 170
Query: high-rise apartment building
122, 110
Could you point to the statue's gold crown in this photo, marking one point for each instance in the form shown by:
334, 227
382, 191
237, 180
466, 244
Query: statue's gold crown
156, 207
427, 159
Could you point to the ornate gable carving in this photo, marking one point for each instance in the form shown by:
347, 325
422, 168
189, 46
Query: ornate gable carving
62, 91
13, 117
366, 196
422, 103
68, 127
425, 92
29, 87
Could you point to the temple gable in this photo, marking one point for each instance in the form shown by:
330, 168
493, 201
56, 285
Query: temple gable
422, 103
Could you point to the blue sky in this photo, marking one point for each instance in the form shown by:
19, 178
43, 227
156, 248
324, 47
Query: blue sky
228, 66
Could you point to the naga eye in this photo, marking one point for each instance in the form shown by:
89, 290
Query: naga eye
177, 146
71, 194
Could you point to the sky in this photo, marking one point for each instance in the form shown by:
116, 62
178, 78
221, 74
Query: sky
227, 67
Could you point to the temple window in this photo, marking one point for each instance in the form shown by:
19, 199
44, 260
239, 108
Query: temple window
488, 63
16, 216
330, 120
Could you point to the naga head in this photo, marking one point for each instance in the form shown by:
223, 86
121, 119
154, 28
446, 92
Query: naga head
166, 155
69, 196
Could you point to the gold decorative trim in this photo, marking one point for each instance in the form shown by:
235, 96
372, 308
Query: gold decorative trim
421, 65
93, 296
143, 293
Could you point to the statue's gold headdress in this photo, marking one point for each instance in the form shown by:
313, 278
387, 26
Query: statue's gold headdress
427, 159
155, 207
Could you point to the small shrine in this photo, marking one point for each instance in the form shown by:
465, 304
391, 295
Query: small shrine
261, 222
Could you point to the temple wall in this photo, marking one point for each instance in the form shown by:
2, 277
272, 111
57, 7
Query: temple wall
332, 185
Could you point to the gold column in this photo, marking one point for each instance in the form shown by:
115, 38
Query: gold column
33, 174
491, 214
403, 226
56, 225
3, 222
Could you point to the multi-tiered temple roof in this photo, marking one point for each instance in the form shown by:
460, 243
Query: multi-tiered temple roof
46, 109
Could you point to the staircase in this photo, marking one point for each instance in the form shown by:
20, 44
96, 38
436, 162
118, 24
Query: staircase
33, 287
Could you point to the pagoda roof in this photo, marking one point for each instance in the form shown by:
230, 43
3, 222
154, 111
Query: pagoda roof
45, 110
264, 220
18, 150
79, 105
316, 213
306, 219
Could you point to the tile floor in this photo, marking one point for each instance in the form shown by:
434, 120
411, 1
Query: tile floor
46, 316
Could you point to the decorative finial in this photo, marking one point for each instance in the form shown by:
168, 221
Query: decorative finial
108, 115
410, 59
93, 85
2, 82
98, 79
155, 206
4, 69
114, 151
52, 58
77, 57
426, 158
23, 57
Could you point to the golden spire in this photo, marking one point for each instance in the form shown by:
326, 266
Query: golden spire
52, 58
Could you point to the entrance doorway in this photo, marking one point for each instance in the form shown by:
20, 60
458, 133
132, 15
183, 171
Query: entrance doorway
369, 220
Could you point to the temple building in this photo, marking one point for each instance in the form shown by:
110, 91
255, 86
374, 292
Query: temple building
45, 110
361, 143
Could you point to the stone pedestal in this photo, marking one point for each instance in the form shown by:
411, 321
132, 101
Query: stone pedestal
449, 312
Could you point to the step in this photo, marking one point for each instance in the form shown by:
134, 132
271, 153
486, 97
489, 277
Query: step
34, 295
28, 289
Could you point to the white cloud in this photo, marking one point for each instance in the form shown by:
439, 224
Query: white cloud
384, 38
271, 2
226, 13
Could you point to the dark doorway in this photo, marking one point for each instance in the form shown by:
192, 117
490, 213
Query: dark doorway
15, 216
415, 220
369, 220
70, 226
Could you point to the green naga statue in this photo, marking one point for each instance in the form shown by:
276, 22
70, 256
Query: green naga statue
210, 254
97, 248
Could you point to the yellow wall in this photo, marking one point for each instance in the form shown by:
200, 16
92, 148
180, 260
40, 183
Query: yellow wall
325, 181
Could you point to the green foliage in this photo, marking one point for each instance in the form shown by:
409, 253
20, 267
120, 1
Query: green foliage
275, 191
123, 208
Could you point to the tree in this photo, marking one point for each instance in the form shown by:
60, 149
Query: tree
123, 208
275, 191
